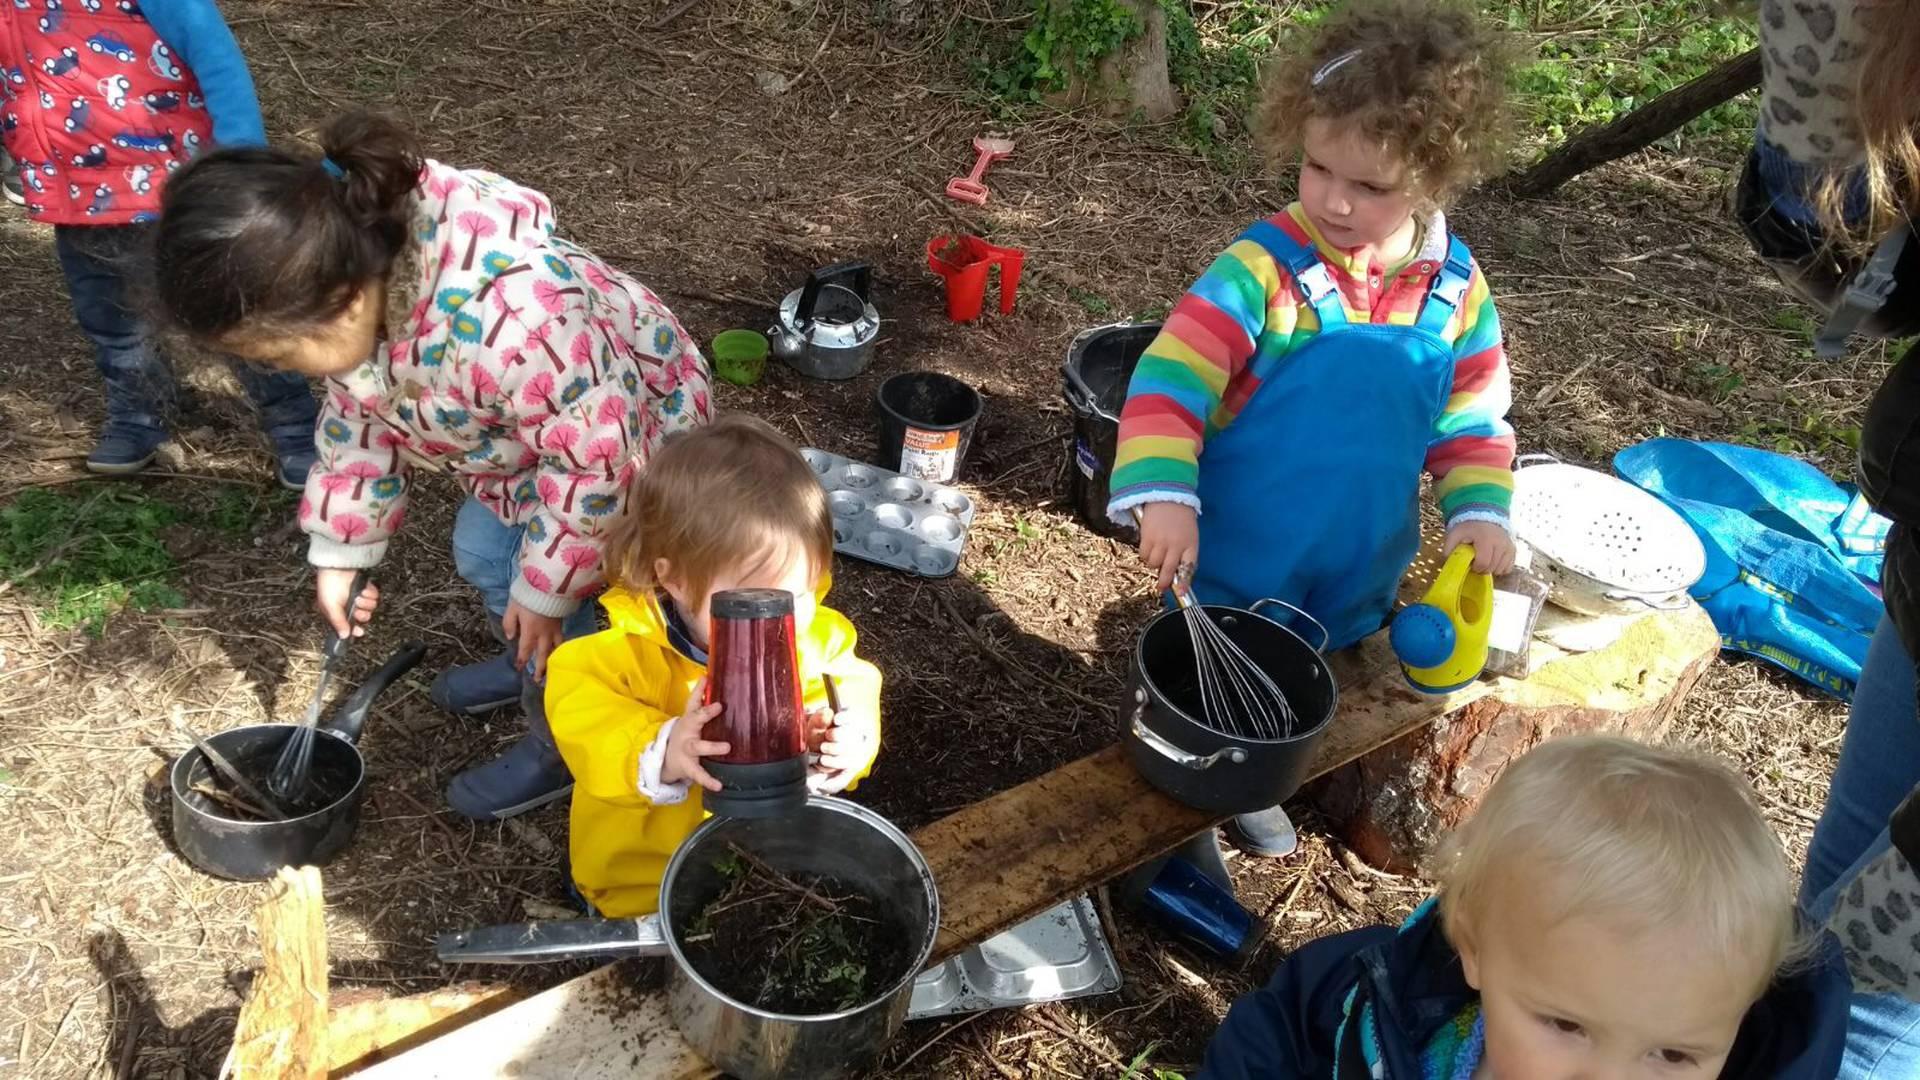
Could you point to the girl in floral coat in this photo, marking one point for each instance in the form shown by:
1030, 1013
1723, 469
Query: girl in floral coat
455, 331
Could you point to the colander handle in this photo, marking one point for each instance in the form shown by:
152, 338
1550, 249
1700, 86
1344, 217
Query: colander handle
1325, 637
1525, 460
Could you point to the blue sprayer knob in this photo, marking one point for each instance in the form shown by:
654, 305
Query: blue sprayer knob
1422, 636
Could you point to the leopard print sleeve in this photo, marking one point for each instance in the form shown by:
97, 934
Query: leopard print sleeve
1877, 916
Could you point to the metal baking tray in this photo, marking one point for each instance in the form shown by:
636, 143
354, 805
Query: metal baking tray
1057, 955
880, 516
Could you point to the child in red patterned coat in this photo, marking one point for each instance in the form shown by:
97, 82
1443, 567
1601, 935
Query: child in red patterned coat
457, 331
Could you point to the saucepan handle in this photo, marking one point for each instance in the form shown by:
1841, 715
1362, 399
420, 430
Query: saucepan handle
1172, 753
351, 717
1325, 638
555, 939
1525, 460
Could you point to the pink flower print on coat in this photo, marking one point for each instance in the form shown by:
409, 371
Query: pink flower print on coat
350, 527
565, 437
597, 278
540, 389
306, 510
550, 495
515, 210
441, 184
478, 227
537, 578
581, 353
392, 442
539, 335
551, 297
361, 471
333, 484
604, 452
485, 386
577, 559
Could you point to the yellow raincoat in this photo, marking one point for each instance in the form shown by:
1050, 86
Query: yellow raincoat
608, 696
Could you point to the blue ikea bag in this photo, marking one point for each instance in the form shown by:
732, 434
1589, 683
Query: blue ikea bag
1793, 558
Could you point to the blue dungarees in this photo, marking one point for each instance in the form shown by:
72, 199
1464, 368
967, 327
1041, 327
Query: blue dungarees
1309, 495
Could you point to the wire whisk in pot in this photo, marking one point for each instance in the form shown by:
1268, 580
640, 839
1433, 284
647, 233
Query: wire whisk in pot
1236, 695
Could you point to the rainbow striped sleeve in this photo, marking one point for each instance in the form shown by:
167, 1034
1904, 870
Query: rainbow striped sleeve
1471, 455
1176, 397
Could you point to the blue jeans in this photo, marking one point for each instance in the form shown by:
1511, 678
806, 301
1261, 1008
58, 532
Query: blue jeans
98, 262
486, 553
1879, 765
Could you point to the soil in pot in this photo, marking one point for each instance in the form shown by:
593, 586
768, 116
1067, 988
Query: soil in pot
798, 944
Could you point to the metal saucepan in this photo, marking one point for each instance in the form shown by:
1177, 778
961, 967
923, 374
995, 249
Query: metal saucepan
253, 850
831, 837
1204, 767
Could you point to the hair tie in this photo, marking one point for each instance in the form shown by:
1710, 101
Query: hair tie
1332, 66
333, 168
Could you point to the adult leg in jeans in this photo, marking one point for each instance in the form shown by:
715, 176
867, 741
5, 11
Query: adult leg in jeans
1879, 765
140, 388
530, 773
287, 414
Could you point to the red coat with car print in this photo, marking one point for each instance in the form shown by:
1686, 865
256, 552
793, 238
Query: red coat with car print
98, 109
535, 373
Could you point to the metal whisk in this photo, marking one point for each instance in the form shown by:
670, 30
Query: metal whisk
290, 770
1236, 696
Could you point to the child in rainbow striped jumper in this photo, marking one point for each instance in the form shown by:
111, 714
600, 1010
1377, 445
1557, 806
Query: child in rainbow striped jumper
1274, 433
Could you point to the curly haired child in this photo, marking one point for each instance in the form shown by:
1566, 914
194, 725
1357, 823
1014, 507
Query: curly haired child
731, 506
456, 330
1274, 434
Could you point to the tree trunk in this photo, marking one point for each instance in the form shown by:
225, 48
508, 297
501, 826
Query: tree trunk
282, 1030
1134, 77
1640, 128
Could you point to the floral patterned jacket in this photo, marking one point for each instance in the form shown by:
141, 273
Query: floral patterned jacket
535, 373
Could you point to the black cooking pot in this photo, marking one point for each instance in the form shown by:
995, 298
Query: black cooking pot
253, 850
1201, 766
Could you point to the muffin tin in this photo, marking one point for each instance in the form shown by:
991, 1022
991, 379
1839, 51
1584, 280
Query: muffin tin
880, 516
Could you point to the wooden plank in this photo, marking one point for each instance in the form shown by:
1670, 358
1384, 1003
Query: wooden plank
362, 1033
1008, 858
596, 1026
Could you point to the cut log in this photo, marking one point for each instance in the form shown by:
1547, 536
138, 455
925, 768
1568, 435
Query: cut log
1640, 128
282, 1030
1392, 804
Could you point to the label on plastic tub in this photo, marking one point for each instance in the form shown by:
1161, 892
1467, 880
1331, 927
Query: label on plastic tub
1083, 457
930, 455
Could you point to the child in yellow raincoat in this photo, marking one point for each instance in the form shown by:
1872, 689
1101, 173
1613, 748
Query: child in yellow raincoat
729, 506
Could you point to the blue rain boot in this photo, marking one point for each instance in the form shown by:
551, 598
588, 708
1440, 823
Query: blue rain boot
478, 689
529, 775
124, 449
1268, 834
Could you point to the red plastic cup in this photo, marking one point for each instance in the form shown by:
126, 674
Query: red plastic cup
962, 263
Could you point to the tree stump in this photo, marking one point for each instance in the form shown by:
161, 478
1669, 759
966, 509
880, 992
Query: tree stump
1393, 804
1134, 77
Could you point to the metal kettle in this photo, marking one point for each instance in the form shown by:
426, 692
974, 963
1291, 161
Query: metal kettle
827, 327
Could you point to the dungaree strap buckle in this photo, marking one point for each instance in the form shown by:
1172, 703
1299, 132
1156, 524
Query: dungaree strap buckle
1310, 275
1449, 289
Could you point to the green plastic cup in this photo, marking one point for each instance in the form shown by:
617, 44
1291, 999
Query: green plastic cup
740, 356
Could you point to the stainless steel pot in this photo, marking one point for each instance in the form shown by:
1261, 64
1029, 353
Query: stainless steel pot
827, 327
1200, 765
828, 836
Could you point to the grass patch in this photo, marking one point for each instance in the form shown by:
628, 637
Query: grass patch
84, 552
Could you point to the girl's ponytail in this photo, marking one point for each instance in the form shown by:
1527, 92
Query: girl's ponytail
264, 240
378, 165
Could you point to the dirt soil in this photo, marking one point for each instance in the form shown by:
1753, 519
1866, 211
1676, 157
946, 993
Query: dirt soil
719, 150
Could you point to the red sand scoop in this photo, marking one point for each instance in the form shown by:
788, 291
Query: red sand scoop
968, 188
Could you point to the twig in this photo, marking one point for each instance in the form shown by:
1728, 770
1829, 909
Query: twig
229, 800
270, 809
943, 1033
776, 878
673, 13
1104, 1054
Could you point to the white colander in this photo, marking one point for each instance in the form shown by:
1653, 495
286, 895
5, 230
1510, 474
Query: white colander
1603, 545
